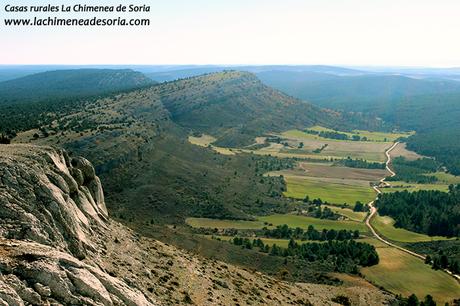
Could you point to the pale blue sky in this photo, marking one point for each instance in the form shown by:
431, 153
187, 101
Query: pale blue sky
335, 32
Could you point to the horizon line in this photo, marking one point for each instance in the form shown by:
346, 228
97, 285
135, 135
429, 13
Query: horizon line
253, 65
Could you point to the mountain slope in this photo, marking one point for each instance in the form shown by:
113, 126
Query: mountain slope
236, 107
372, 93
137, 137
69, 84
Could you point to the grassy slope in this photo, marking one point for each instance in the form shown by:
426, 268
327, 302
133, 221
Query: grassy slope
235, 107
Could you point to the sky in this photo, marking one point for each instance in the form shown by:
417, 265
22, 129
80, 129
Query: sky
249, 32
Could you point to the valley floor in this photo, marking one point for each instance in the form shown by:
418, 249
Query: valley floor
397, 271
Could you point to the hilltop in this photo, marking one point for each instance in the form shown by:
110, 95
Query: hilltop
235, 107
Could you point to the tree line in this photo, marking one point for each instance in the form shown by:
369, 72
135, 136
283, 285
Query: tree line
285, 232
416, 171
344, 255
359, 163
336, 135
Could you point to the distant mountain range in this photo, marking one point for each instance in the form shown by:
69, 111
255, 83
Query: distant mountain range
421, 99
69, 84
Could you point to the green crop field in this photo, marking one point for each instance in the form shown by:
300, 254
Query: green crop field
405, 274
381, 136
385, 226
216, 223
333, 191
319, 224
274, 220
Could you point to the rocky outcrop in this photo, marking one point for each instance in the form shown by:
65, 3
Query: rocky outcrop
47, 197
32, 273
52, 217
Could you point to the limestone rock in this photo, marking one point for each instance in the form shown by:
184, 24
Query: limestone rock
53, 215
54, 276
46, 199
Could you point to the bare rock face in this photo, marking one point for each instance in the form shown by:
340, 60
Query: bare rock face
49, 198
52, 216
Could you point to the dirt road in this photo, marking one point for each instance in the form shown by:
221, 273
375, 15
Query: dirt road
373, 211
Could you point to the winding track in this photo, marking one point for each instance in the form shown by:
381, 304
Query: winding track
373, 211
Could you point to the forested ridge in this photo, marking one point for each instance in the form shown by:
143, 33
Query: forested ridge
65, 84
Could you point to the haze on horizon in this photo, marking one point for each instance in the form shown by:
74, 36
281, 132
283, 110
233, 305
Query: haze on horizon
239, 32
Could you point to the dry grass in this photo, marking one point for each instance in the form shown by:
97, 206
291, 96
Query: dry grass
401, 150
372, 151
206, 141
327, 170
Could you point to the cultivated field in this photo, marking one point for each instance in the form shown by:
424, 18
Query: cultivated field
446, 178
270, 241
319, 224
401, 150
371, 136
274, 220
328, 170
334, 191
216, 223
203, 141
337, 149
385, 226
404, 274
